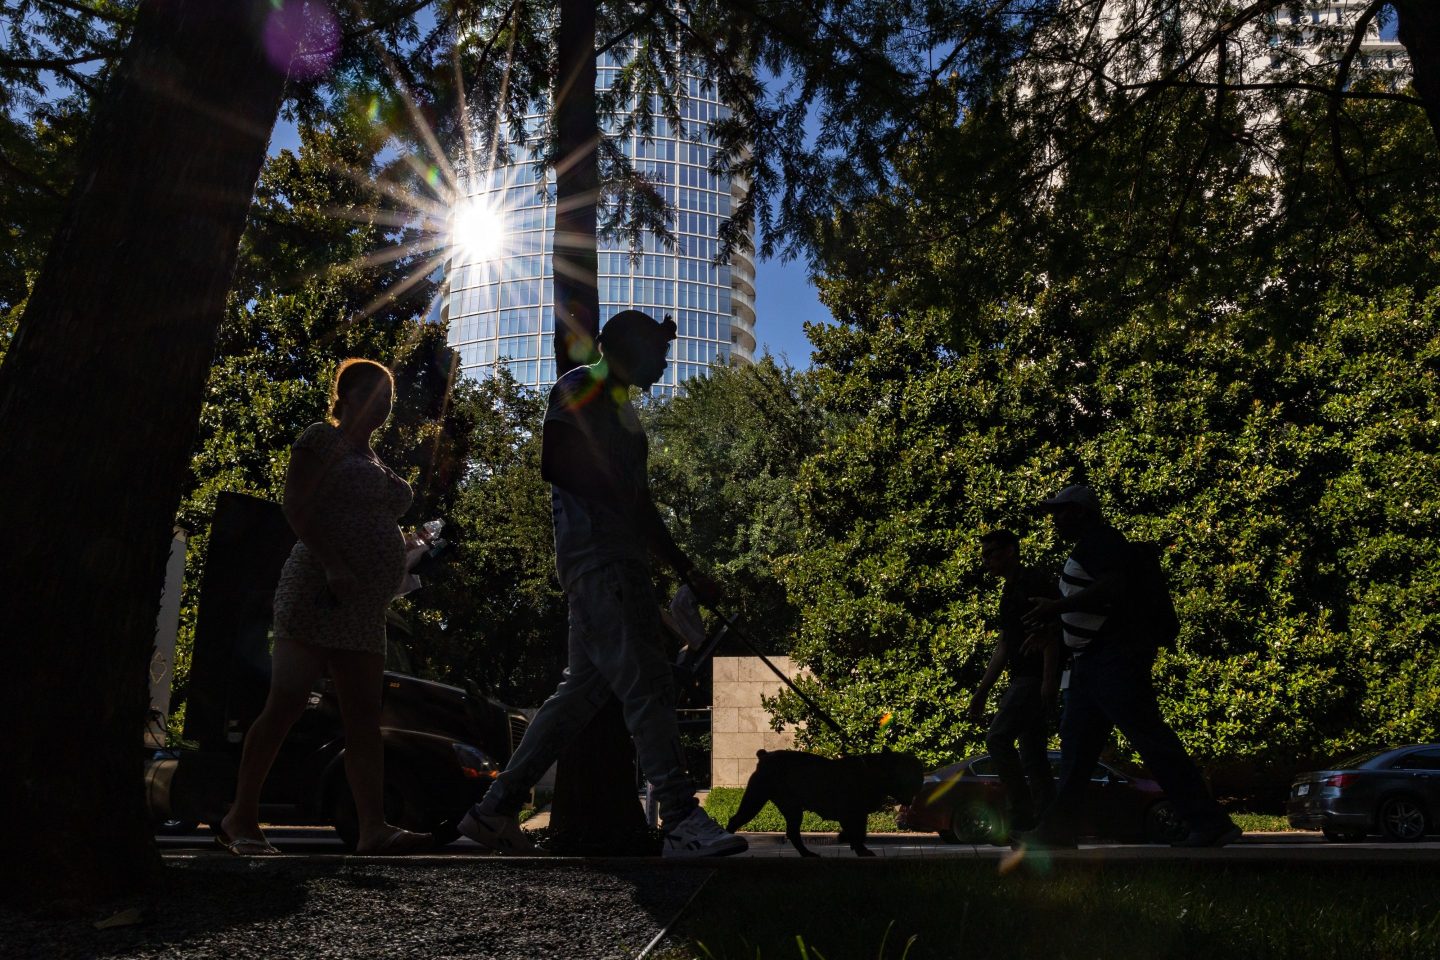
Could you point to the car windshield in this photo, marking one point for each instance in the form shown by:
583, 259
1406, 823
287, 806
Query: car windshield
1358, 760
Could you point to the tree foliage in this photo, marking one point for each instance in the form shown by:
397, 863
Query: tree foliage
723, 459
495, 615
1229, 352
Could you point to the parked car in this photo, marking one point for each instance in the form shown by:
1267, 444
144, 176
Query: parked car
443, 744
1395, 793
965, 803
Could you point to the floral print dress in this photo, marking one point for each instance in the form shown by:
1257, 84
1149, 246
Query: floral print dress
356, 506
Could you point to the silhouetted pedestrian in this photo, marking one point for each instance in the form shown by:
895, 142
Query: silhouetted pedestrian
1101, 614
594, 455
1018, 733
343, 504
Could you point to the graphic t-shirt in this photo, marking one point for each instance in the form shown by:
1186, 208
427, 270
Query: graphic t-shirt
592, 531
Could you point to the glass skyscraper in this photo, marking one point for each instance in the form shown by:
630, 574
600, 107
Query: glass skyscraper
500, 302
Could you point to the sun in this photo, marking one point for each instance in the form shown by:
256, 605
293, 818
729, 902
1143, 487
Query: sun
477, 230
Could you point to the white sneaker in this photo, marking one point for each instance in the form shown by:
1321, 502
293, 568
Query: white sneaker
496, 832
699, 836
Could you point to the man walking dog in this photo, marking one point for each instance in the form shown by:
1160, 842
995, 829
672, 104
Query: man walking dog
1102, 613
1018, 733
594, 453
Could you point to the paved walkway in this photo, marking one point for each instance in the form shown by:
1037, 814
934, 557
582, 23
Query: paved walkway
1254, 847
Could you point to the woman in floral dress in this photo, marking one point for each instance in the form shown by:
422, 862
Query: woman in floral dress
343, 504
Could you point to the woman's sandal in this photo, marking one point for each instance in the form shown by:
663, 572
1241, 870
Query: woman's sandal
245, 846
400, 843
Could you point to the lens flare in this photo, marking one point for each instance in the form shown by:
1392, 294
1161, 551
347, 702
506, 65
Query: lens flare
885, 719
302, 38
944, 788
1012, 861
477, 231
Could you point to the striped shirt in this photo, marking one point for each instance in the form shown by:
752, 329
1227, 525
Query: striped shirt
1100, 552
1080, 628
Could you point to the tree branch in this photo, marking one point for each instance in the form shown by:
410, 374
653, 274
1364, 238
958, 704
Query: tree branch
623, 35
378, 25
56, 63
89, 11
1297, 85
29, 178
1342, 77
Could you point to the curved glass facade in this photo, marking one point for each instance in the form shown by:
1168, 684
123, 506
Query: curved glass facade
500, 303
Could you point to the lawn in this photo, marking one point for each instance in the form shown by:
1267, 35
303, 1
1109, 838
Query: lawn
1205, 910
723, 802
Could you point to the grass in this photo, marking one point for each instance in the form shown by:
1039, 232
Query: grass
724, 801
1202, 910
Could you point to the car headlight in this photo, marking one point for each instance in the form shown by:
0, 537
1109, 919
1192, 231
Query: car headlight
474, 765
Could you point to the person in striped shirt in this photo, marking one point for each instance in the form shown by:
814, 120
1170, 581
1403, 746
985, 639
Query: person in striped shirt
1110, 684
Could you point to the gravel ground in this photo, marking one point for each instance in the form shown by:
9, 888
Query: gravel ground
471, 908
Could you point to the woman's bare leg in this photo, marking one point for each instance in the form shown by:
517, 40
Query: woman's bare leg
294, 668
359, 681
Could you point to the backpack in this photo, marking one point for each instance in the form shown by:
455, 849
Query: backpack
1155, 617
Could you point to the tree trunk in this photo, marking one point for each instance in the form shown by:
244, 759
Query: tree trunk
100, 393
595, 811
577, 189
1419, 32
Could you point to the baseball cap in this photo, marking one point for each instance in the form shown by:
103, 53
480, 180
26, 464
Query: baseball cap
636, 325
1077, 493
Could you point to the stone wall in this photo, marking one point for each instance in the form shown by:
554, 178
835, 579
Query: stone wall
739, 725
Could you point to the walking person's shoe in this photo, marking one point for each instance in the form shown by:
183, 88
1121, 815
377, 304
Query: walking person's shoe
1217, 834
398, 843
244, 846
699, 836
496, 832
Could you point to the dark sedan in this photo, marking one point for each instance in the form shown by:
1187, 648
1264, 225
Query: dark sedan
1395, 793
965, 803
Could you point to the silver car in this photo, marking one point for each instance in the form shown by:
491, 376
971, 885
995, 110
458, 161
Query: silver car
1395, 793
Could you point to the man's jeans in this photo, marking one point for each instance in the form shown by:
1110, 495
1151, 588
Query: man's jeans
614, 647
1111, 688
1021, 720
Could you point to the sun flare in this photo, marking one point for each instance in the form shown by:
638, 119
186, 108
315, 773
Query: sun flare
478, 231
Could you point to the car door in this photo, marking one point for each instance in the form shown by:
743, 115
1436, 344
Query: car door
1422, 770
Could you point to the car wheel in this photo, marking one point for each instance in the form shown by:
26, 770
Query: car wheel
1337, 835
975, 824
1402, 819
1163, 823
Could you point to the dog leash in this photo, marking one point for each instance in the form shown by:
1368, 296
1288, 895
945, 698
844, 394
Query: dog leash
730, 626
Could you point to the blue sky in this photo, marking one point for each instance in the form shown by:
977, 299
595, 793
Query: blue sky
785, 300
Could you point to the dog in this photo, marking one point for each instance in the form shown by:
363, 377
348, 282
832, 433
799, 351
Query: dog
844, 790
